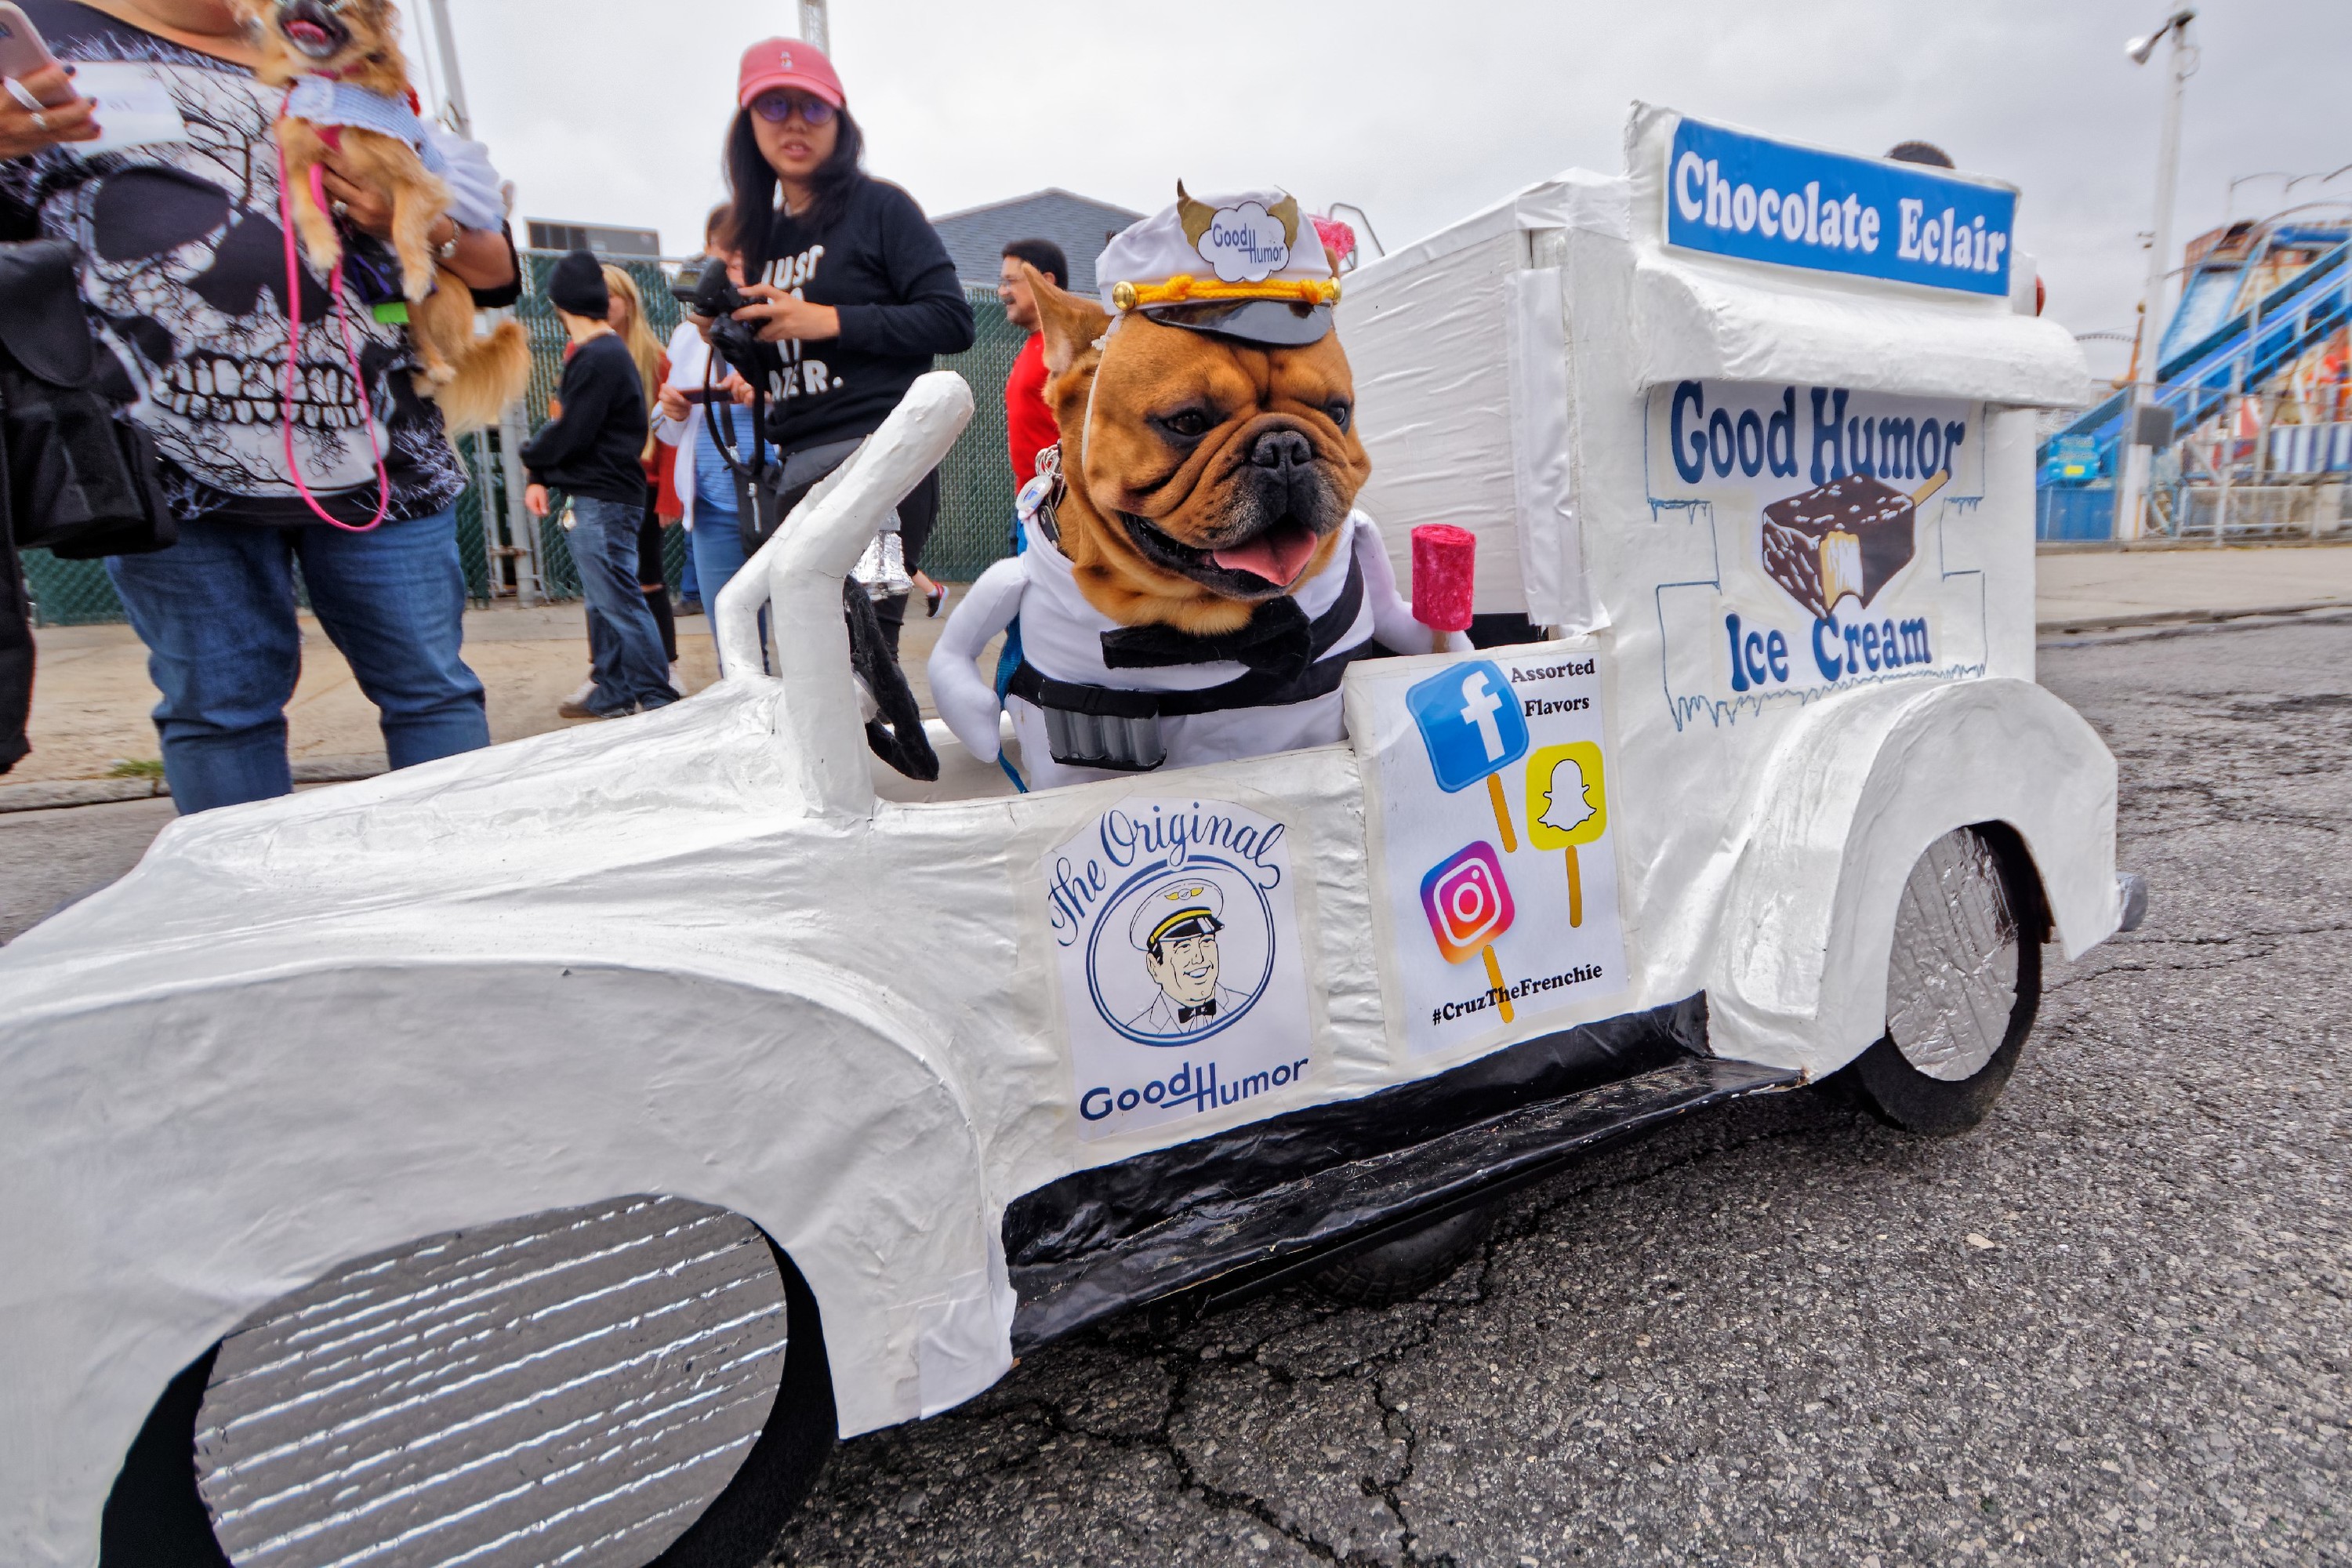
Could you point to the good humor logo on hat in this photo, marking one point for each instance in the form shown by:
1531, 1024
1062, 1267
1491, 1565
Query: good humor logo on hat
1245, 244
1224, 249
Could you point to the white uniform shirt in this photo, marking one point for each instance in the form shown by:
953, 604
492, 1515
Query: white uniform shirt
1061, 634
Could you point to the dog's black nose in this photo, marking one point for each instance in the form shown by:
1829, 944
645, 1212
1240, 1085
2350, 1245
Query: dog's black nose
1283, 449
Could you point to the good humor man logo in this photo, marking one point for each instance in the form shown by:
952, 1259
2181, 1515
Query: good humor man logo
1181, 978
1173, 911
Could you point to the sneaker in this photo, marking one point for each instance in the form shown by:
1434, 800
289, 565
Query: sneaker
678, 678
573, 708
689, 607
937, 600
586, 690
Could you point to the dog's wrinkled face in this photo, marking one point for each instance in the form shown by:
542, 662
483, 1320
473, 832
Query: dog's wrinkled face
1216, 475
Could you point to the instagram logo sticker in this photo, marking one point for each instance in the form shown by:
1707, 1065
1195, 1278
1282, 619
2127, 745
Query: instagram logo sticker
1469, 906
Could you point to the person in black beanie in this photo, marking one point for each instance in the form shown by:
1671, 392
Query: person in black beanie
591, 450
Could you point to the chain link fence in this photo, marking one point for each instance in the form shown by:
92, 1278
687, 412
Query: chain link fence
975, 482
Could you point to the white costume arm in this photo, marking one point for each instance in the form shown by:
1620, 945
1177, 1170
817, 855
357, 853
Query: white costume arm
1392, 621
966, 700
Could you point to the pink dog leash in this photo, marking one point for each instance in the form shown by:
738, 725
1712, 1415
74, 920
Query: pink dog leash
351, 351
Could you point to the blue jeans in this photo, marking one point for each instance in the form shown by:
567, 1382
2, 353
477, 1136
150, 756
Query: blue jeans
216, 612
625, 644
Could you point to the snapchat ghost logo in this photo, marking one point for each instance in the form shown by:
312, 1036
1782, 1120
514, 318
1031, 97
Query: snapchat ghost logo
1568, 808
1567, 801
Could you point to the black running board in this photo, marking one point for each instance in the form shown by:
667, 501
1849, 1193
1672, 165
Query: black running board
1247, 1246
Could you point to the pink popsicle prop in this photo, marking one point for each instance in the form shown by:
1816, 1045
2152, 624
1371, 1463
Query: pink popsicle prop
1444, 578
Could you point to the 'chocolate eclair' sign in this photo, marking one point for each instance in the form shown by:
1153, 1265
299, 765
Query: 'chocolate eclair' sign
1736, 194
1835, 528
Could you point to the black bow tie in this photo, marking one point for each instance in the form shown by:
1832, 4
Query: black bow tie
1277, 637
1205, 1010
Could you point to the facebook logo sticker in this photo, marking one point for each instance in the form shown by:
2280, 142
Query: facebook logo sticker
1471, 723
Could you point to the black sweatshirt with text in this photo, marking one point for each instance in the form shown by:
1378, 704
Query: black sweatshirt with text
882, 266
593, 448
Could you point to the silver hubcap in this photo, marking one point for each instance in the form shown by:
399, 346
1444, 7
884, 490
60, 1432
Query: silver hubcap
576, 1387
1951, 985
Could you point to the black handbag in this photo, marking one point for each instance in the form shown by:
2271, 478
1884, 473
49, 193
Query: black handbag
80, 481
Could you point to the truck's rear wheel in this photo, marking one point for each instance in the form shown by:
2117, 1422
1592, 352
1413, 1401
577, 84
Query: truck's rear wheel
640, 1382
1403, 1268
1963, 986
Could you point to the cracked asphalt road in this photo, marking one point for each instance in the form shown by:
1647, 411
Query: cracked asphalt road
2109, 1326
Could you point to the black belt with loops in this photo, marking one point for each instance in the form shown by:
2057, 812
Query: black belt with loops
1117, 729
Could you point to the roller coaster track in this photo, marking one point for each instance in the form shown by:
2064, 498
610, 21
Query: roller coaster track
2196, 382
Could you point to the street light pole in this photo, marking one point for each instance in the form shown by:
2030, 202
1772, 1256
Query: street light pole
2131, 490
813, 27
521, 528
460, 120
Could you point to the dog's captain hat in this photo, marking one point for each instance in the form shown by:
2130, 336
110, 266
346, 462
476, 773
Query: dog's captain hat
1246, 265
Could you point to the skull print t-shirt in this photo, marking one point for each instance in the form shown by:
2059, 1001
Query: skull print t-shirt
185, 273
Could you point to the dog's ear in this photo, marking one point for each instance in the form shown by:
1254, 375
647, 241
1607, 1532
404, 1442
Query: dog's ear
1072, 323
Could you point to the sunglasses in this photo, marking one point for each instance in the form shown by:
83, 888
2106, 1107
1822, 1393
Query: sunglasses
775, 108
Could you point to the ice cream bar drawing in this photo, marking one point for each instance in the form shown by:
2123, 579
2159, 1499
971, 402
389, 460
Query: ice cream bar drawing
1469, 905
1849, 537
1568, 808
1444, 578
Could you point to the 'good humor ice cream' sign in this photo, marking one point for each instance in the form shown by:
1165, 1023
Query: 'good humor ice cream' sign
1736, 194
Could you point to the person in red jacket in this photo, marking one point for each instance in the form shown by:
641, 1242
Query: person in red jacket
1028, 422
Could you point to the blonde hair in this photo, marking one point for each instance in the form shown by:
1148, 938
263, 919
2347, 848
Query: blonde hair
643, 346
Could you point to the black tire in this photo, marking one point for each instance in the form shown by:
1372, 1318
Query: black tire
155, 1517
1402, 1269
1884, 1081
739, 1529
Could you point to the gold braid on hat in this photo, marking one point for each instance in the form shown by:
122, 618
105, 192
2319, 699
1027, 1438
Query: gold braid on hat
1184, 289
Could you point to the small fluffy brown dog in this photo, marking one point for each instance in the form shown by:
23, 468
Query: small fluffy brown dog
1217, 474
356, 42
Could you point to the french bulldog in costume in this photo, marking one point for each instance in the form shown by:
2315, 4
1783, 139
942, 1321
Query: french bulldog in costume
1196, 580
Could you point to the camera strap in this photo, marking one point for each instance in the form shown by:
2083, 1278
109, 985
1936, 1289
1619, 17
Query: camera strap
760, 506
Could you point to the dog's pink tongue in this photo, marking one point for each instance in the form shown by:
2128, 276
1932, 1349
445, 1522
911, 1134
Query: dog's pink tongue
1278, 555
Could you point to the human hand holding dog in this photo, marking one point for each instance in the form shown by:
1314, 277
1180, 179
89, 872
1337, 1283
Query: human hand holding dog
24, 131
481, 261
787, 318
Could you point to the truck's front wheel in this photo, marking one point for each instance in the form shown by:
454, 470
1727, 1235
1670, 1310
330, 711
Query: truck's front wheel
638, 1384
1963, 986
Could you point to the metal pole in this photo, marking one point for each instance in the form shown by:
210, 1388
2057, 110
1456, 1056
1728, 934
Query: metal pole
531, 587
813, 26
2131, 494
2230, 445
453, 107
522, 529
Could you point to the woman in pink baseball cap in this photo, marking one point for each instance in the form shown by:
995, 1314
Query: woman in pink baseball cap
847, 278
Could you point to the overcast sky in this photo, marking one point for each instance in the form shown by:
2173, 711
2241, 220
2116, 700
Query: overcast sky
1421, 113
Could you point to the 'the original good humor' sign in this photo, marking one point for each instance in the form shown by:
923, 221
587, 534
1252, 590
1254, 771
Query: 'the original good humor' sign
1176, 944
1734, 194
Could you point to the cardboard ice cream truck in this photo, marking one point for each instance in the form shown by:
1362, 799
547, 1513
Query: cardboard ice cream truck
544, 1155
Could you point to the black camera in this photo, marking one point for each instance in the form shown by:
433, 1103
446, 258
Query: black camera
717, 299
